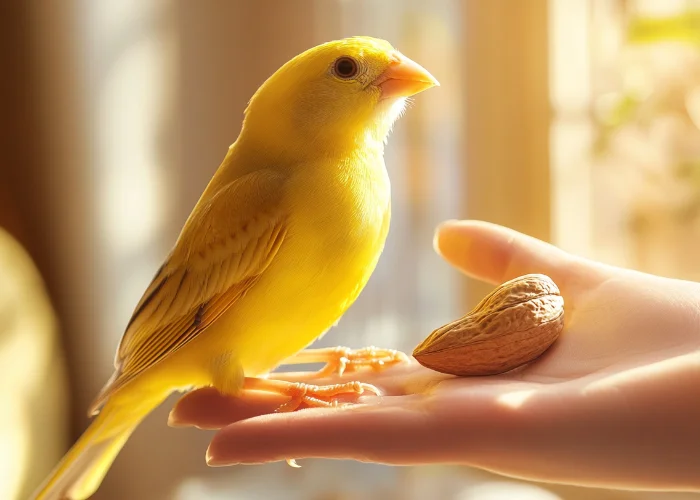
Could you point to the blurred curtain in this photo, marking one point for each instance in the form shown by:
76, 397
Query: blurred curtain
507, 117
34, 401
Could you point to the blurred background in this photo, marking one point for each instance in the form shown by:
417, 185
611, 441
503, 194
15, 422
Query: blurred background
575, 121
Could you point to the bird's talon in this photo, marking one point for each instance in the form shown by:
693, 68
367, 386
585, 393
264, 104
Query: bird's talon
315, 396
345, 360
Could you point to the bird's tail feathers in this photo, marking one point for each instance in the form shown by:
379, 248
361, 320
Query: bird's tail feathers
82, 469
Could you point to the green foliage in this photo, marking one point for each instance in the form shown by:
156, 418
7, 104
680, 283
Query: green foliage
622, 112
683, 28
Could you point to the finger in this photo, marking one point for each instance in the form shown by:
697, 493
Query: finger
444, 427
208, 409
384, 434
495, 254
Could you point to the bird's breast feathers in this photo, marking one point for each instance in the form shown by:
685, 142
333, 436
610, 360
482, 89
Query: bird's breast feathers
344, 216
335, 236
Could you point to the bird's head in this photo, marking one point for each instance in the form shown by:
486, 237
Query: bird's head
339, 94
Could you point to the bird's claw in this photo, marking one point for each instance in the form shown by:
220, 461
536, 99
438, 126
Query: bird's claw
345, 360
316, 396
321, 396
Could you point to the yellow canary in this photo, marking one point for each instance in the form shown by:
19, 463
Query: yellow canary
280, 244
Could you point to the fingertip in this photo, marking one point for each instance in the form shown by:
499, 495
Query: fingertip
175, 421
272, 438
254, 441
443, 226
477, 248
195, 407
208, 409
216, 461
494, 254
443, 233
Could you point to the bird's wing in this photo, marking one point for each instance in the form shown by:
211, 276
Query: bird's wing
224, 248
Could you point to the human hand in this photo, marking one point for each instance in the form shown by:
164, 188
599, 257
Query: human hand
614, 403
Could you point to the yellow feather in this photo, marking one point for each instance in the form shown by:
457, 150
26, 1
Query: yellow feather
280, 244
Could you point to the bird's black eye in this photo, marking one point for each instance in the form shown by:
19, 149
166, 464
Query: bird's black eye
345, 67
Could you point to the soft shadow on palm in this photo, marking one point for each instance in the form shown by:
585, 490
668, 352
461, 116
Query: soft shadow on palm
570, 416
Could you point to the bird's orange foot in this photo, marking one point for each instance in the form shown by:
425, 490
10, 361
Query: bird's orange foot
340, 360
314, 396
322, 396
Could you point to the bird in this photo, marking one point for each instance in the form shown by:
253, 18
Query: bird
280, 244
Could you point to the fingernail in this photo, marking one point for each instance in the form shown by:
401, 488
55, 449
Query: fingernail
214, 462
453, 243
174, 422
438, 230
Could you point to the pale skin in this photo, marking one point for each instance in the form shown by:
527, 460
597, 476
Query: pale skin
614, 403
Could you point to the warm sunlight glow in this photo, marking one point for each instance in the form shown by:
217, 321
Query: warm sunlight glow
660, 8
134, 162
14, 447
571, 131
515, 399
32, 383
502, 490
129, 120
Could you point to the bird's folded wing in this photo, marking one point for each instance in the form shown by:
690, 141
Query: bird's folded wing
226, 245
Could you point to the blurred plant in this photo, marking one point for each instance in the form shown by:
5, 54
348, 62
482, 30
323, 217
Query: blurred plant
684, 27
648, 131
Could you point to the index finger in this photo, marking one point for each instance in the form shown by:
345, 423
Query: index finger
386, 433
496, 254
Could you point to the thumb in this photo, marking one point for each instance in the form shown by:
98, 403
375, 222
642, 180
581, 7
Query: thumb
495, 254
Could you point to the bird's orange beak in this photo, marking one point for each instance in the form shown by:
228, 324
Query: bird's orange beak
404, 78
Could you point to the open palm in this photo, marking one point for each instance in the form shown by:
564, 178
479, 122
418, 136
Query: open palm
615, 402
